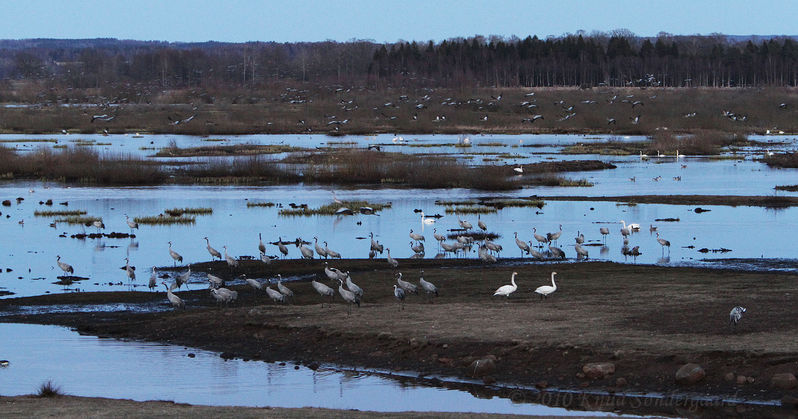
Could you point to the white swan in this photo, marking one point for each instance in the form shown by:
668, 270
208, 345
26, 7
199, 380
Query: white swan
506, 290
427, 220
545, 290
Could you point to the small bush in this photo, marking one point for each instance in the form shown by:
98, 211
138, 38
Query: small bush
48, 389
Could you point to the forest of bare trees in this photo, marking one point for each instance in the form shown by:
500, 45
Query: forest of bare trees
614, 59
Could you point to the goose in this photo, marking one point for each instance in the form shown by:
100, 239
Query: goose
281, 246
521, 244
481, 224
287, 293
214, 253
67, 268
353, 287
545, 290
319, 249
540, 239
406, 286
399, 294
175, 256
276, 296
331, 253
427, 220
323, 290
428, 287
173, 299
348, 296
393, 262
506, 290
417, 237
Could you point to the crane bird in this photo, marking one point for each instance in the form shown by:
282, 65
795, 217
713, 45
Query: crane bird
231, 261
664, 243
319, 249
173, 299
417, 237
183, 278
306, 252
428, 287
535, 254
216, 282
736, 314
521, 244
266, 258
348, 296
323, 290
276, 296
540, 239
375, 246
581, 252
481, 224
625, 231
418, 248
438, 237
604, 232
214, 253
335, 198
331, 253
391, 261
465, 224
545, 290
153, 279
67, 268
406, 286
281, 246
506, 290
580, 238
254, 283
552, 237
332, 273
400, 296
132, 224
175, 256
131, 274
224, 295
427, 220
287, 293
261, 246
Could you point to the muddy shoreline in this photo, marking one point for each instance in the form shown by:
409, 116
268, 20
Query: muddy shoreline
647, 321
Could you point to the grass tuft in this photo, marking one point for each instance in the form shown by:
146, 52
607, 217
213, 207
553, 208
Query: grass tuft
63, 213
48, 389
260, 204
330, 209
78, 220
160, 219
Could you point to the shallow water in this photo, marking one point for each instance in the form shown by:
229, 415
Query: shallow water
150, 371
749, 232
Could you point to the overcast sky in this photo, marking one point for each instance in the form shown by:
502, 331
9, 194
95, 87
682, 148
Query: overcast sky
383, 21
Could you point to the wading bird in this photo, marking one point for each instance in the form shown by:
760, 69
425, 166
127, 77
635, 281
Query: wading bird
276, 296
261, 246
406, 286
183, 278
521, 244
176, 301
323, 290
319, 249
287, 293
664, 243
391, 261
417, 237
132, 224
281, 246
735, 315
131, 274
348, 296
399, 294
231, 261
214, 253
175, 256
67, 268
428, 287
331, 253
545, 290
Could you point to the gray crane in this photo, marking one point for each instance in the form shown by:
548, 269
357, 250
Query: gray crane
406, 286
521, 244
214, 253
131, 274
580, 238
417, 248
175, 256
353, 287
557, 252
333, 274
604, 232
287, 293
428, 287
254, 283
331, 253
348, 296
319, 249
581, 252
481, 224
465, 224
400, 296
540, 239
306, 252
552, 237
438, 237
736, 314
664, 243
323, 290
67, 268
176, 301
375, 246
183, 278
281, 246
231, 261
215, 281
391, 261
224, 295
261, 246
153, 279
417, 237
132, 224
276, 296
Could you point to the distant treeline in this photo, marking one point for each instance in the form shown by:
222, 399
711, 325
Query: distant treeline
614, 59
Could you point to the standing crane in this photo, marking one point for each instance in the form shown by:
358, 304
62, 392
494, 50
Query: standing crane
521, 244
664, 243
231, 261
67, 268
320, 250
183, 278
175, 256
399, 294
176, 301
481, 224
282, 247
417, 237
276, 296
214, 253
428, 287
132, 224
353, 287
306, 252
406, 286
287, 293
348, 296
393, 262
131, 274
261, 246
153, 279
323, 290
331, 253
540, 239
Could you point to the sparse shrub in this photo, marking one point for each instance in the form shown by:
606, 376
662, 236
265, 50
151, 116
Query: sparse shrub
48, 389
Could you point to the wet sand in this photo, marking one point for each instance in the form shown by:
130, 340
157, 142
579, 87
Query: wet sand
646, 320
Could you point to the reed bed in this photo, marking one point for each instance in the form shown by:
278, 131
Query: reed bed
788, 188
785, 160
227, 150
330, 209
161, 219
57, 213
460, 202
78, 219
251, 204
471, 210
177, 212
